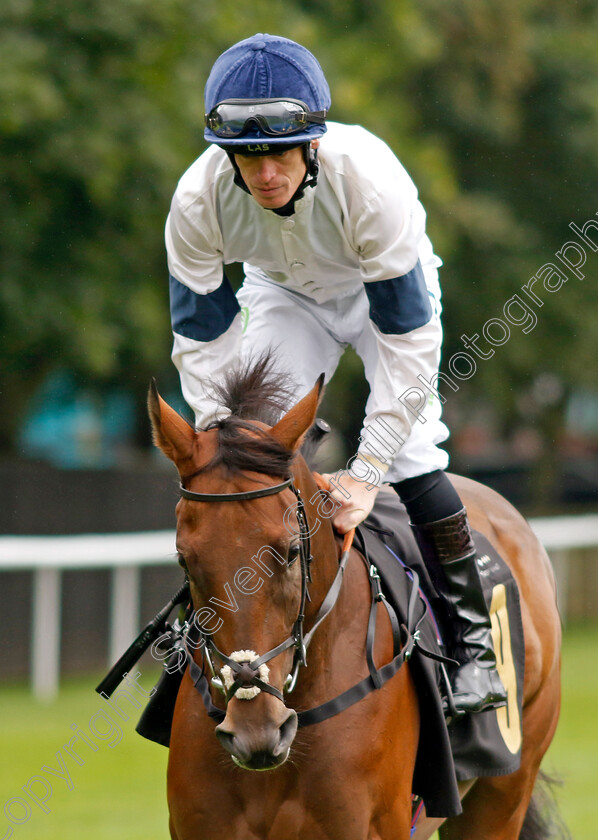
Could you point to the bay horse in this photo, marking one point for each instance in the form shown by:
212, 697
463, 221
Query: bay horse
247, 494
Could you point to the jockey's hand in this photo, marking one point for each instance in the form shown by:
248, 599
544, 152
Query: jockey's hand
355, 508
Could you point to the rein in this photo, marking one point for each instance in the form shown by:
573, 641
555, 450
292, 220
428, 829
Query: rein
246, 673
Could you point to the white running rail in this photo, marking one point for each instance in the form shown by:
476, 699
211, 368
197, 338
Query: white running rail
125, 554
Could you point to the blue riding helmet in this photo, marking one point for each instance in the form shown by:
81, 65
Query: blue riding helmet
267, 67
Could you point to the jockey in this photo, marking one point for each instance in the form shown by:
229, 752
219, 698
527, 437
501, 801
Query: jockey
332, 236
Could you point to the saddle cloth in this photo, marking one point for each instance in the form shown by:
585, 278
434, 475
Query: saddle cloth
486, 744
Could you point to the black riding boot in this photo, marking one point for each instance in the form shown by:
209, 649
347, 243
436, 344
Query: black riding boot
450, 557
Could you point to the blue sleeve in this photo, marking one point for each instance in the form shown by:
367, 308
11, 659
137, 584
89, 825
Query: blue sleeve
202, 317
400, 304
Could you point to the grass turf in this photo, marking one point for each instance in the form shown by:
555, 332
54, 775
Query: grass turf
573, 755
119, 790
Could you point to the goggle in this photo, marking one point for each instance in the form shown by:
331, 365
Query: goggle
275, 117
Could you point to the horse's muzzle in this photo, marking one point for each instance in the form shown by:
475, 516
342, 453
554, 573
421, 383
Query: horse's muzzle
258, 744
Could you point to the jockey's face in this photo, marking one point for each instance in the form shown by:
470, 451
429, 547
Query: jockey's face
273, 179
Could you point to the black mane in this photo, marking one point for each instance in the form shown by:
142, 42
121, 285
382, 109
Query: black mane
255, 390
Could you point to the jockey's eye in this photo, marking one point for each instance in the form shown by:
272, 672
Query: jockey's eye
293, 554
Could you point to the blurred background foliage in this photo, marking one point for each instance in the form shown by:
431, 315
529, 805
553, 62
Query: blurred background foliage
492, 107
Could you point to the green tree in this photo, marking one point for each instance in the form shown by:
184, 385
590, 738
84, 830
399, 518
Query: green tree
100, 113
511, 92
492, 108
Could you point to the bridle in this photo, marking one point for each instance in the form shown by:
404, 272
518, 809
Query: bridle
245, 673
236, 497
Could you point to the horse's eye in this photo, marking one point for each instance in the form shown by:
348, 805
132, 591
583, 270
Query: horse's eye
181, 561
293, 553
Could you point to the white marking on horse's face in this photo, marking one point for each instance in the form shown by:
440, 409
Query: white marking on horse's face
228, 677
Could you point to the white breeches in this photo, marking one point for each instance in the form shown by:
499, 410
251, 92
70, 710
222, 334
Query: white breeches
309, 338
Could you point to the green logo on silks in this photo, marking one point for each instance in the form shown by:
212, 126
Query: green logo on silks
244, 318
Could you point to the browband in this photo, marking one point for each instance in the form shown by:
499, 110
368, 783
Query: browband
234, 497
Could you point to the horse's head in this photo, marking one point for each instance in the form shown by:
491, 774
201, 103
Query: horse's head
246, 560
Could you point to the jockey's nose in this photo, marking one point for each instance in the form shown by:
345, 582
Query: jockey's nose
266, 169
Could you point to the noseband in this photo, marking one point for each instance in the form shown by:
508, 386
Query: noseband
245, 674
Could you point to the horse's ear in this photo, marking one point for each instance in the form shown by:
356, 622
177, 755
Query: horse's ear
292, 428
172, 434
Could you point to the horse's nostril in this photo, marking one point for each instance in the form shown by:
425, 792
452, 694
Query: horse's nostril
227, 740
287, 730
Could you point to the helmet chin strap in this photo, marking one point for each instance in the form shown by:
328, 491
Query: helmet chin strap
310, 179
